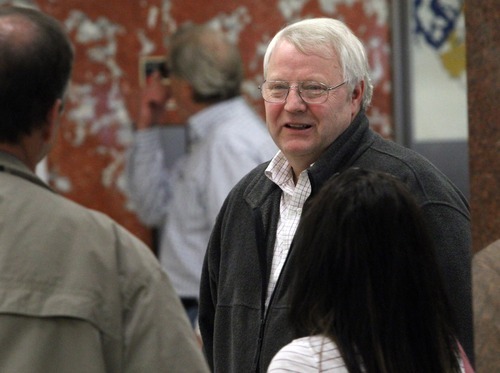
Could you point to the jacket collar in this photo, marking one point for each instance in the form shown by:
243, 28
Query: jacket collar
340, 155
13, 166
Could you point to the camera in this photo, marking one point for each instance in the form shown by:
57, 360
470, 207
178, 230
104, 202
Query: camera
150, 64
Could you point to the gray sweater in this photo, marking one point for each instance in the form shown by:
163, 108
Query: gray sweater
238, 335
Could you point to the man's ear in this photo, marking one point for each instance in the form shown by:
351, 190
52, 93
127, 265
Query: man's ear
357, 97
52, 122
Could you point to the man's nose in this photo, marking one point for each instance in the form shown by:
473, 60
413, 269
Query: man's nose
294, 101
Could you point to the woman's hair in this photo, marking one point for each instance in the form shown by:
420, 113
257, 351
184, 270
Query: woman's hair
35, 67
208, 61
328, 37
365, 275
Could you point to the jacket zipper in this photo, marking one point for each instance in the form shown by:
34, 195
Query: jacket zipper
261, 247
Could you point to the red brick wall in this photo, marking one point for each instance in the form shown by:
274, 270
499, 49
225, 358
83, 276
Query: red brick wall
110, 36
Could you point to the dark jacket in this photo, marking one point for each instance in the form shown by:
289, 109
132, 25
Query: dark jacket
237, 335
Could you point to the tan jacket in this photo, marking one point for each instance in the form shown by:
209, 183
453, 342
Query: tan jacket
78, 293
486, 291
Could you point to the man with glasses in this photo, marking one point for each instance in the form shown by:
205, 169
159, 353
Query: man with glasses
316, 90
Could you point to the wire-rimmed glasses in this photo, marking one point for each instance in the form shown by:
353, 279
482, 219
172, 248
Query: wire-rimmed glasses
276, 91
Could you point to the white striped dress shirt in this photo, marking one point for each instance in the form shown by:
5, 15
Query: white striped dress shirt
313, 354
308, 354
292, 200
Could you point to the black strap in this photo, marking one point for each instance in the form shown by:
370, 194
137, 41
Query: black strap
25, 176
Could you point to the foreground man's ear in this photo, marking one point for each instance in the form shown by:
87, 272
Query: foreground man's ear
52, 122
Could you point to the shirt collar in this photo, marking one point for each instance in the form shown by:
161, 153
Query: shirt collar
201, 123
280, 172
16, 167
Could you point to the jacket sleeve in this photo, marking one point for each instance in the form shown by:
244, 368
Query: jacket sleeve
450, 229
208, 291
158, 336
148, 180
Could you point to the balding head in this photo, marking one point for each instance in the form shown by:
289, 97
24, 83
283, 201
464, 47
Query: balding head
35, 65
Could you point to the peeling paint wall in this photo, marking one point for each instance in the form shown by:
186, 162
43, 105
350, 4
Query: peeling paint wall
111, 36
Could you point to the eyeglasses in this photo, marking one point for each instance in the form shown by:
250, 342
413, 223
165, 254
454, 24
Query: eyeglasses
276, 92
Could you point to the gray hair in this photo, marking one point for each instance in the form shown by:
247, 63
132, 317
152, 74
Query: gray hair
208, 61
328, 37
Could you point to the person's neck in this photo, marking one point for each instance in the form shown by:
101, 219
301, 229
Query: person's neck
22, 152
196, 107
296, 171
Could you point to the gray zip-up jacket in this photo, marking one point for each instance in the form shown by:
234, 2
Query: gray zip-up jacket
238, 335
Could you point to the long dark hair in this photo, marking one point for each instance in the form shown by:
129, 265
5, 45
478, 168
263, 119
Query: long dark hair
366, 276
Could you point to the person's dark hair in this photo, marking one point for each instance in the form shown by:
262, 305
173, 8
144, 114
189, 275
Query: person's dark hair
208, 61
365, 275
35, 67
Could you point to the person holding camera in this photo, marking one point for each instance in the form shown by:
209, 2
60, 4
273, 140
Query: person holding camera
225, 137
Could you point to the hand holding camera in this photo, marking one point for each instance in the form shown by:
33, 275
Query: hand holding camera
155, 91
